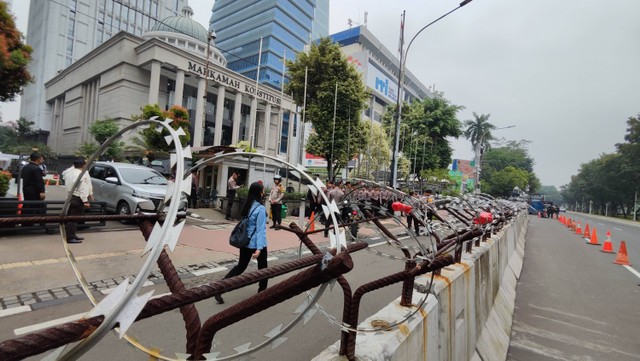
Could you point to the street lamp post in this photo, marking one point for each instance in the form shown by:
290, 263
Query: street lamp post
403, 59
478, 155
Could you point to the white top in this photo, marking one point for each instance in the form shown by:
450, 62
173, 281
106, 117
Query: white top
84, 189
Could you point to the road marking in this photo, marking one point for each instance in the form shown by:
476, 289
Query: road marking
64, 259
209, 271
47, 324
632, 270
617, 229
306, 252
377, 244
14, 311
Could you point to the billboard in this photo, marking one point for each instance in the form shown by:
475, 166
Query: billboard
381, 83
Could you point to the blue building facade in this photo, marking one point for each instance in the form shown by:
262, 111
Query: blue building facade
285, 27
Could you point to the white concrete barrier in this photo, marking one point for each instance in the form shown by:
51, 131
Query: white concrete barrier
468, 316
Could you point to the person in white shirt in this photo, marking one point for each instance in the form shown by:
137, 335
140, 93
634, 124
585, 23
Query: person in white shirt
80, 198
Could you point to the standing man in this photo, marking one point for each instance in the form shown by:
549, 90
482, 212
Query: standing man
275, 198
33, 184
80, 198
195, 180
232, 186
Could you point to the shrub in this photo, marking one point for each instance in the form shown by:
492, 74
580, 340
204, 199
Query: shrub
5, 178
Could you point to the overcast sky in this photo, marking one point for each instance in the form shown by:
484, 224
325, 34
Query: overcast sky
565, 73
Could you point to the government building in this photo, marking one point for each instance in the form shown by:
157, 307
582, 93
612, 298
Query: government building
175, 63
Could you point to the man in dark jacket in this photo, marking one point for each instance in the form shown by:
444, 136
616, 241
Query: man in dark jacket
33, 184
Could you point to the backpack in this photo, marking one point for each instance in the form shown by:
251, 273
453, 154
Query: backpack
239, 237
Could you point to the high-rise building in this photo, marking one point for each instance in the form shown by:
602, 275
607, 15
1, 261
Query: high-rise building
62, 31
285, 27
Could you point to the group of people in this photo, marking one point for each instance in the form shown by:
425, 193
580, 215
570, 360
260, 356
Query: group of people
33, 189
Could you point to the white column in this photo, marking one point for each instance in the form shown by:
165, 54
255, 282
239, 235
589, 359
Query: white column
154, 82
290, 138
237, 116
198, 124
217, 135
267, 127
252, 120
179, 87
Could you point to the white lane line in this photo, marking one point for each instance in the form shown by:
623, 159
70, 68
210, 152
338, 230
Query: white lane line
306, 252
617, 229
377, 244
209, 271
47, 324
14, 311
632, 270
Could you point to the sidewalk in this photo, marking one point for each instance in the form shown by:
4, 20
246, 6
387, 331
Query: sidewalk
35, 270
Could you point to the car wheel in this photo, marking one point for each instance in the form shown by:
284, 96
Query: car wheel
123, 208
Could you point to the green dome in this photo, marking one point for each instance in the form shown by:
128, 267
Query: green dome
183, 24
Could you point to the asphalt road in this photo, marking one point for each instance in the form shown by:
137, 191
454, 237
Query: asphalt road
572, 302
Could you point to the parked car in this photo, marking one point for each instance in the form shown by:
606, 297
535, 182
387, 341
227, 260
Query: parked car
125, 187
563, 209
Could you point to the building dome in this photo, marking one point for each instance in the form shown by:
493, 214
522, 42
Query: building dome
183, 24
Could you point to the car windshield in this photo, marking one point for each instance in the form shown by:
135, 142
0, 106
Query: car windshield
142, 176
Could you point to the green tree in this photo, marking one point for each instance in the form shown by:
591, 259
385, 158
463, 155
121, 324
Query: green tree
14, 57
478, 131
24, 129
154, 141
426, 125
511, 155
375, 156
336, 141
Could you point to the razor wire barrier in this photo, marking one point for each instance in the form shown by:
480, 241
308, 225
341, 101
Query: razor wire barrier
451, 226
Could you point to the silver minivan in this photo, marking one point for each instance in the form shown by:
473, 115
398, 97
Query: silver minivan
124, 187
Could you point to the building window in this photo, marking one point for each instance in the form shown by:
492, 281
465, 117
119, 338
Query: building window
284, 137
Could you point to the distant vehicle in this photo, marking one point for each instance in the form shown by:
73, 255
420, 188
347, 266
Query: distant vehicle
532, 210
538, 202
125, 187
563, 209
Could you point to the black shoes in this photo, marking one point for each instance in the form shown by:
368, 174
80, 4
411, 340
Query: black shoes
228, 218
73, 240
219, 299
80, 238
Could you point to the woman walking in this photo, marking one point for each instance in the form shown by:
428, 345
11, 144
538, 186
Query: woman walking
257, 229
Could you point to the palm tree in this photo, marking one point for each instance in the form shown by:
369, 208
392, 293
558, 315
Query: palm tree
478, 131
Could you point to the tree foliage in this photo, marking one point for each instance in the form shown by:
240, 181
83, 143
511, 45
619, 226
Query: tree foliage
20, 138
14, 57
375, 156
506, 167
102, 130
478, 131
340, 140
426, 125
608, 183
153, 142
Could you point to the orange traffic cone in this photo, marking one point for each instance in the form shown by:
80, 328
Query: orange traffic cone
587, 233
20, 204
622, 258
607, 247
594, 238
579, 228
312, 224
539, 214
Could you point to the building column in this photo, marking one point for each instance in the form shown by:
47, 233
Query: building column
217, 135
179, 92
252, 121
237, 116
267, 127
198, 124
154, 82
290, 138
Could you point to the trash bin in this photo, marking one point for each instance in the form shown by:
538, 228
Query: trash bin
284, 211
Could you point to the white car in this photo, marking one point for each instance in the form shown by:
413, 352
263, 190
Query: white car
128, 188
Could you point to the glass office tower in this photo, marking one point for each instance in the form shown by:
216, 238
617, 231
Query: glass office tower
285, 27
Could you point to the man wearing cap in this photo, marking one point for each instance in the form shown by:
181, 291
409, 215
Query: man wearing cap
80, 198
275, 198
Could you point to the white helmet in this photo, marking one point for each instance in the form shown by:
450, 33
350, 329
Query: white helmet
277, 176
